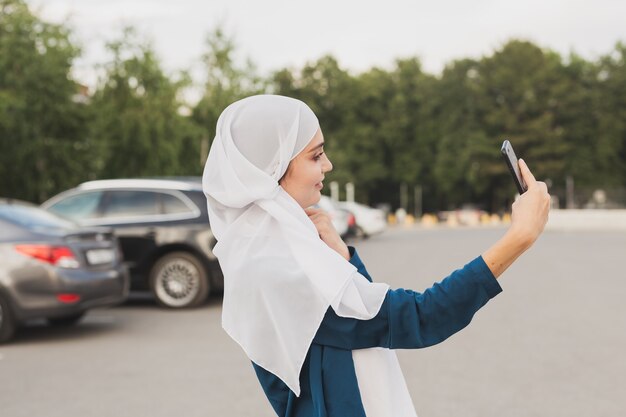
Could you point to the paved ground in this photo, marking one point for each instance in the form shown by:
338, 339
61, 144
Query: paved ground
553, 344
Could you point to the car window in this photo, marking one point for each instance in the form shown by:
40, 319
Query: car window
126, 203
173, 205
79, 206
33, 218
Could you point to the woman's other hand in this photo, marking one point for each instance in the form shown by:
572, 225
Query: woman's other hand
530, 211
327, 232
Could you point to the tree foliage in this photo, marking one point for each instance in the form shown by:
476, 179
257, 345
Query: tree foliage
385, 129
401, 126
225, 82
137, 126
41, 124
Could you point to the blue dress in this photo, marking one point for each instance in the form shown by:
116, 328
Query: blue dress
406, 320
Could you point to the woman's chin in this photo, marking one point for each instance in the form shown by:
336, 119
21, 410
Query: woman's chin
315, 199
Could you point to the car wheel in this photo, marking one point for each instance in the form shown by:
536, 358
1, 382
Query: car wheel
360, 233
179, 280
7, 322
66, 320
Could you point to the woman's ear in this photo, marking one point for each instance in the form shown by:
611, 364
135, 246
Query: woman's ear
285, 174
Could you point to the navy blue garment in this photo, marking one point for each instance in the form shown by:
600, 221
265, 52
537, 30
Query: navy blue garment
406, 320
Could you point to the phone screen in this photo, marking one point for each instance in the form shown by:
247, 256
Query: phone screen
511, 161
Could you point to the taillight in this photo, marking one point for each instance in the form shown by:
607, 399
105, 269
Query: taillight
68, 298
60, 256
351, 220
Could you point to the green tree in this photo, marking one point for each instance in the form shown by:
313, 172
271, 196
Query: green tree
518, 83
410, 127
576, 118
352, 140
225, 82
137, 124
610, 108
458, 108
42, 141
387, 128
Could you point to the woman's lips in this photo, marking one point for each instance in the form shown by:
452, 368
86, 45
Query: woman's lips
319, 185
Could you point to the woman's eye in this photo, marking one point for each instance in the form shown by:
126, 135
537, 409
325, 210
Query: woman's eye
318, 156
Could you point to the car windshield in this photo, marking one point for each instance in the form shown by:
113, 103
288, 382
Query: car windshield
33, 217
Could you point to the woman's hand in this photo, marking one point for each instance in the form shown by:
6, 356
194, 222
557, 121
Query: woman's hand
530, 212
529, 217
327, 232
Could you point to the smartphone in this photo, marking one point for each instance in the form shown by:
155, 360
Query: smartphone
511, 161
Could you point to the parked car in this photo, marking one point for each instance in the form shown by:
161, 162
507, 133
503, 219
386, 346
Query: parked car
369, 221
51, 268
163, 228
342, 219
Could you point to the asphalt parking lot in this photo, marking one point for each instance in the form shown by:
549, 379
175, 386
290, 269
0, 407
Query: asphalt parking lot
552, 344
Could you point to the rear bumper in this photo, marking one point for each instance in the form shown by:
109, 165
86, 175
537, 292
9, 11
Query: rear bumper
375, 227
95, 289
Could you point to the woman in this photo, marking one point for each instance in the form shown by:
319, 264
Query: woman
299, 301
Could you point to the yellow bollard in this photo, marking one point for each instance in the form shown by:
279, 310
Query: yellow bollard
429, 220
452, 221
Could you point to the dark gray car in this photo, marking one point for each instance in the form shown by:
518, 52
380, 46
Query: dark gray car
52, 268
163, 229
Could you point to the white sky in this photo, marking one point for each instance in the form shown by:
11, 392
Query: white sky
360, 34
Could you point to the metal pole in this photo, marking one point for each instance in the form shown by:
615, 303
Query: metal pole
350, 192
404, 196
569, 192
204, 150
334, 190
417, 193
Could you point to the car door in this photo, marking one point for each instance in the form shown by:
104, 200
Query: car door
132, 213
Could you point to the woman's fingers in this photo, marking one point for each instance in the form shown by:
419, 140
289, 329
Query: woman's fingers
314, 214
311, 210
528, 176
318, 216
530, 211
324, 225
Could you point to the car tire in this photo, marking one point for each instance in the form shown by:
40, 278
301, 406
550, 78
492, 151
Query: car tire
66, 320
360, 233
179, 280
7, 321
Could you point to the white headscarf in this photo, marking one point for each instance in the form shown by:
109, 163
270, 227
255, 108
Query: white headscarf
279, 276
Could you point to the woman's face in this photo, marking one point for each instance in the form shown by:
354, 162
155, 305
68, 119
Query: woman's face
304, 176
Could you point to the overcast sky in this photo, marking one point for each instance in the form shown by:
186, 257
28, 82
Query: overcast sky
360, 34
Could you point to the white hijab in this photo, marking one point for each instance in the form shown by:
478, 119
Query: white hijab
279, 276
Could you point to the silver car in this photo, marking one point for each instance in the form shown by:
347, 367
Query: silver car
342, 219
369, 221
51, 268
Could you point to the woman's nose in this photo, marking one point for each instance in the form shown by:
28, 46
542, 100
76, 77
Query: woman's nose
327, 166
